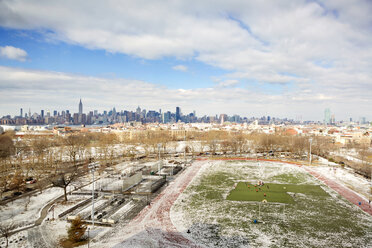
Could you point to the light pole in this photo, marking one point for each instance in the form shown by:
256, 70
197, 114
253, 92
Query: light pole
88, 239
184, 152
159, 146
310, 140
92, 168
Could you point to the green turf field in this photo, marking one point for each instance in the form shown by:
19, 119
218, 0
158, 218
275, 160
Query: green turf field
245, 191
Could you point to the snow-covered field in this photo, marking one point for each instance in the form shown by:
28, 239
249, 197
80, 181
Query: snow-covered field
347, 178
202, 214
192, 211
25, 210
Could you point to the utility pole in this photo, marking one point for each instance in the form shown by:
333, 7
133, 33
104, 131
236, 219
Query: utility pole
310, 140
92, 168
159, 146
184, 152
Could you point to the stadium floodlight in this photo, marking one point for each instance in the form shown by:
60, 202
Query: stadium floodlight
92, 168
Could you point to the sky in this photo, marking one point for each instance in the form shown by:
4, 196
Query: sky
248, 57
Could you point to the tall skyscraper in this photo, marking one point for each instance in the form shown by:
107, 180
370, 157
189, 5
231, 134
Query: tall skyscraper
42, 113
327, 116
21, 112
178, 114
80, 107
362, 120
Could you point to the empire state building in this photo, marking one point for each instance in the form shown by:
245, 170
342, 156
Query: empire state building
80, 107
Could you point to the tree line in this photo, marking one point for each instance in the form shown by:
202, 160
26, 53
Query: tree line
62, 159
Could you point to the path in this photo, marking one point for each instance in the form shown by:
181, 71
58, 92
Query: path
153, 227
342, 190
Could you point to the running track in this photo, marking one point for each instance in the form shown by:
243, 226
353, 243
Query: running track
347, 193
342, 190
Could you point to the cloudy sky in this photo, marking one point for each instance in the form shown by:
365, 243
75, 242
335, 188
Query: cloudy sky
253, 58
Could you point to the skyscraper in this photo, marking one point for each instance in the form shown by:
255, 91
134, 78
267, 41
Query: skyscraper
327, 116
178, 114
80, 107
21, 112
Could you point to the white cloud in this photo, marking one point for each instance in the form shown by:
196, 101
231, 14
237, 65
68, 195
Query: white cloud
317, 51
53, 90
180, 68
228, 83
11, 52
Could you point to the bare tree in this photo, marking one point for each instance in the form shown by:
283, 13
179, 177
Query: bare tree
63, 179
21, 148
39, 147
17, 181
72, 147
27, 202
6, 229
4, 183
106, 142
7, 148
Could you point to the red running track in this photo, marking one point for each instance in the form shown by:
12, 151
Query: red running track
342, 190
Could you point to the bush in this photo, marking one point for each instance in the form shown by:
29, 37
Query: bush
76, 230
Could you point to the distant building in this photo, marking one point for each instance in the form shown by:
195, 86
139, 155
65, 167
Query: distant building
333, 119
80, 107
362, 120
178, 114
76, 119
223, 118
327, 116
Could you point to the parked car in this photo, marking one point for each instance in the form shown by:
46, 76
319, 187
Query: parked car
31, 181
5, 198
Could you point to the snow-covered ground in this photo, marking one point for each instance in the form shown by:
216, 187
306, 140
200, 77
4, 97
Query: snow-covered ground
25, 210
202, 214
345, 177
153, 227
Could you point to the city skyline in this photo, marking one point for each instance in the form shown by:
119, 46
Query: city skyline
110, 116
327, 117
250, 58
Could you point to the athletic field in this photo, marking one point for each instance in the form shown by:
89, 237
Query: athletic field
218, 209
272, 192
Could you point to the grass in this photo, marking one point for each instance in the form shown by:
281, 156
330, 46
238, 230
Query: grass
315, 217
271, 192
